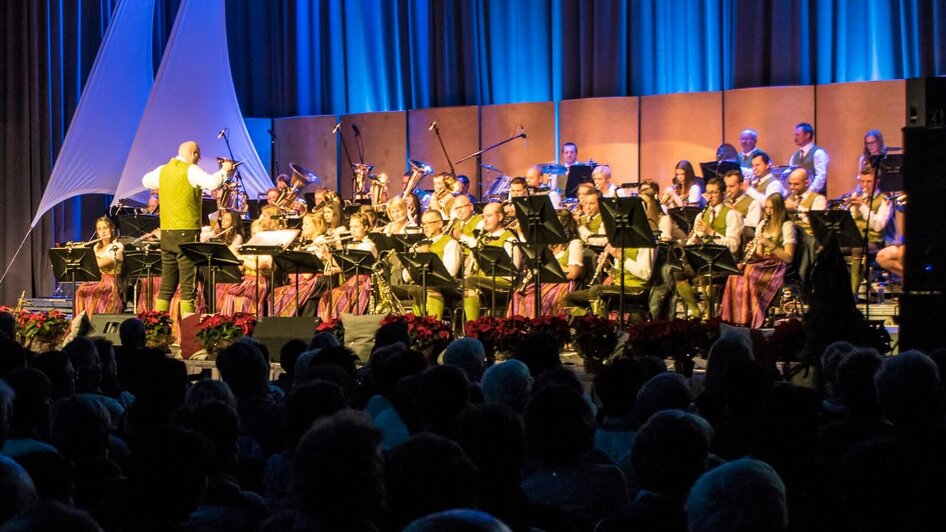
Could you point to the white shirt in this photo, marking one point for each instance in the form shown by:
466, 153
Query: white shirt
878, 220
753, 214
733, 229
773, 187
821, 166
642, 266
611, 192
576, 250
196, 176
452, 256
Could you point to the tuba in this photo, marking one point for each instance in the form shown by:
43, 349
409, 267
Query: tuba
419, 170
301, 178
360, 173
378, 189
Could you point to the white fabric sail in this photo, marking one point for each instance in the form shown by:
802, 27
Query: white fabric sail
104, 124
193, 99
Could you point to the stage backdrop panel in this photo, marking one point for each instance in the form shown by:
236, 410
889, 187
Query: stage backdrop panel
678, 126
460, 129
385, 146
773, 112
848, 110
500, 122
605, 129
308, 141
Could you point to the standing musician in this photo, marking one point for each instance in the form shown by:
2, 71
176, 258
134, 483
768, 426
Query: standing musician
535, 181
475, 280
867, 202
601, 177
590, 227
747, 141
686, 188
311, 286
343, 299
746, 297
810, 157
736, 198
801, 199
179, 183
105, 295
763, 184
467, 221
570, 257
448, 250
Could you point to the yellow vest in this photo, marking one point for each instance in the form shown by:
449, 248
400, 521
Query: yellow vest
180, 201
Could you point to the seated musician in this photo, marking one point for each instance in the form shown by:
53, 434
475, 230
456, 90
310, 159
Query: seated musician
352, 297
570, 258
763, 183
442, 199
891, 259
717, 224
250, 294
660, 222
686, 188
475, 281
397, 212
517, 189
468, 222
590, 227
801, 199
873, 214
104, 296
334, 221
746, 297
464, 190
287, 198
310, 286
371, 215
535, 181
736, 198
153, 206
636, 270
601, 177
447, 250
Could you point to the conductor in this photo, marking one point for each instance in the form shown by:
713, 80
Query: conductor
179, 183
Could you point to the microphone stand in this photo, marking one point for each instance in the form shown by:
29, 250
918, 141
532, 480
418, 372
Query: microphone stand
484, 150
273, 153
444, 148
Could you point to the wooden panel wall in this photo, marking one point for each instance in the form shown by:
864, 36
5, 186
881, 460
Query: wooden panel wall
606, 130
308, 141
500, 122
385, 145
773, 112
460, 130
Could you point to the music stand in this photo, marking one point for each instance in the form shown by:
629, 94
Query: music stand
538, 220
839, 222
219, 260
717, 168
137, 224
298, 262
404, 242
353, 262
711, 257
625, 224
495, 262
431, 271
75, 264
684, 216
146, 261
268, 243
550, 270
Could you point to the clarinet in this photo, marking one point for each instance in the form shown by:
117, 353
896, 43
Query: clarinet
602, 263
753, 244
693, 229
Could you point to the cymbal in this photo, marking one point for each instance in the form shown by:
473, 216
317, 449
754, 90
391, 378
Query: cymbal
553, 168
491, 168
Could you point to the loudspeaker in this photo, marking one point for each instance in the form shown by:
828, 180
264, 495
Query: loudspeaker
926, 102
924, 180
921, 319
275, 332
107, 325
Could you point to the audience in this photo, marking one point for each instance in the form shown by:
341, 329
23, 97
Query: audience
745, 495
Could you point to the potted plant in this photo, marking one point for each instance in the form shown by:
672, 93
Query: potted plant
594, 340
42, 331
158, 329
217, 331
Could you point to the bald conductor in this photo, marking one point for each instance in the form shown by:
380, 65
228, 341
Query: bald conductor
179, 183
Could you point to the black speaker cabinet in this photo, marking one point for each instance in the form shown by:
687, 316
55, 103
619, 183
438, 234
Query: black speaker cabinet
275, 332
924, 180
107, 325
921, 319
926, 102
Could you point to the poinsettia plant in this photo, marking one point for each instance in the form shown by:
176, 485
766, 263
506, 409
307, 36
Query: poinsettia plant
158, 325
428, 334
679, 339
595, 338
215, 329
43, 324
333, 326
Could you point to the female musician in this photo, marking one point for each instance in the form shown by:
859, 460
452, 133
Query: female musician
686, 188
104, 296
334, 222
271, 218
569, 257
371, 215
309, 286
397, 211
247, 296
746, 297
874, 146
343, 299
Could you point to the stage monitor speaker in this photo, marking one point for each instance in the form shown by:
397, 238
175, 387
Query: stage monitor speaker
275, 332
926, 102
924, 180
107, 325
921, 316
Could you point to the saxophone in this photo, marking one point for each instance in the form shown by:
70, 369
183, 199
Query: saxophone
385, 303
753, 245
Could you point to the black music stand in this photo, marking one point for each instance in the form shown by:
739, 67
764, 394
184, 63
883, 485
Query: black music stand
137, 225
221, 263
268, 243
76, 265
717, 168
298, 262
354, 262
839, 222
684, 216
406, 241
577, 174
431, 271
550, 270
714, 258
539, 222
144, 263
625, 224
494, 262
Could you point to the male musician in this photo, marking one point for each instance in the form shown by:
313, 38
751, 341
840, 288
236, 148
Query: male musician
464, 182
448, 250
590, 227
284, 187
763, 184
601, 176
747, 141
810, 157
736, 198
517, 189
872, 213
638, 266
272, 195
535, 181
153, 206
569, 154
493, 235
801, 199
442, 200
468, 221
179, 182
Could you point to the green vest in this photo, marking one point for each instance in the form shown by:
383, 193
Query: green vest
872, 236
743, 205
594, 224
629, 278
805, 205
467, 227
438, 247
180, 201
719, 224
763, 183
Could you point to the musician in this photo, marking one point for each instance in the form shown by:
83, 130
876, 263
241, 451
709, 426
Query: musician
891, 259
248, 295
867, 203
801, 199
636, 270
475, 280
285, 195
590, 226
448, 250
343, 299
763, 183
228, 230
397, 212
570, 257
464, 183
736, 198
659, 221
726, 152
271, 218
517, 189
535, 180
180, 182
334, 223
810, 157
105, 295
746, 297
311, 286
153, 206
601, 177
874, 148
371, 215
686, 188
468, 222
442, 200
569, 154
747, 141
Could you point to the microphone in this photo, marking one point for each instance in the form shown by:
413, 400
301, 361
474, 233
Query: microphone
223, 133
337, 127
432, 126
522, 132
356, 130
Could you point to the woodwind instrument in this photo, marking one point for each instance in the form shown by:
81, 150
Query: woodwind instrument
599, 269
753, 245
693, 232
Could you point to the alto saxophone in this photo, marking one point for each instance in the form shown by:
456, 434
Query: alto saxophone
386, 303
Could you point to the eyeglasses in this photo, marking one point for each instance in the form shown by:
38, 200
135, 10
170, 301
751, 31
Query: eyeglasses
433, 222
